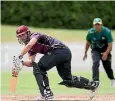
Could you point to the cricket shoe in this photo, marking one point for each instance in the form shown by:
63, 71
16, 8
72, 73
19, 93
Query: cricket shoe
96, 85
44, 98
113, 83
49, 95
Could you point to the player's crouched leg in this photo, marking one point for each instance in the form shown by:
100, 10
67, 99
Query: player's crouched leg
82, 83
79, 82
39, 77
42, 82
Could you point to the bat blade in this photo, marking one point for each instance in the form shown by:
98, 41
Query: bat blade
13, 84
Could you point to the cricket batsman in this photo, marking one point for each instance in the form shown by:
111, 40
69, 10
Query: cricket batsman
99, 38
55, 54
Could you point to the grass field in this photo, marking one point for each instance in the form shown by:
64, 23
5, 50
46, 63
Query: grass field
8, 34
27, 84
26, 81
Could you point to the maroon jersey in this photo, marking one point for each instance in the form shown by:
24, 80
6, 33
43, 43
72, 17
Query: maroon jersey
44, 44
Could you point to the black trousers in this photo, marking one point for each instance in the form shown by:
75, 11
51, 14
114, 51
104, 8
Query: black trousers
61, 58
96, 57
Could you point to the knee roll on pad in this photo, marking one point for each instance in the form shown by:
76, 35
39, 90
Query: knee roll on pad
80, 79
76, 83
84, 80
36, 69
43, 65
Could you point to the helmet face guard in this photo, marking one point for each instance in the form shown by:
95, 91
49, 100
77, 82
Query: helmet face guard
24, 38
23, 34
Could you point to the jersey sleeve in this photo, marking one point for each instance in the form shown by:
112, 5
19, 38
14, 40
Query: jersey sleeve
88, 37
109, 37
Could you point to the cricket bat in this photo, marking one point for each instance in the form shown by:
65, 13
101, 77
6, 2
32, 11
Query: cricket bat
15, 72
13, 82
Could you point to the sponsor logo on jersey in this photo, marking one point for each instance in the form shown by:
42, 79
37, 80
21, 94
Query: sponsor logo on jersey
103, 38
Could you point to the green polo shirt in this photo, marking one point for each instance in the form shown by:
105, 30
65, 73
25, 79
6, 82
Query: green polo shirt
98, 40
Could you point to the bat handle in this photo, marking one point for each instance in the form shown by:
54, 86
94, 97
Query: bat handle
14, 74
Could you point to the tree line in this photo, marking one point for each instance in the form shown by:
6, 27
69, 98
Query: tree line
58, 14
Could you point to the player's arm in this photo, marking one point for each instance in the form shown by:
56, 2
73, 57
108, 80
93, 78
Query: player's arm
105, 54
110, 40
87, 45
28, 63
28, 46
109, 48
86, 49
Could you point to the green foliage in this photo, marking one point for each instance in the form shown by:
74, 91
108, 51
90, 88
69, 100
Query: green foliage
57, 14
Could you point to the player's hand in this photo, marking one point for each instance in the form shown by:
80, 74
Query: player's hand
85, 57
14, 72
17, 61
104, 56
17, 65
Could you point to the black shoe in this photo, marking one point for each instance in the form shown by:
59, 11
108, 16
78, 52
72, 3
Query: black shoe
49, 95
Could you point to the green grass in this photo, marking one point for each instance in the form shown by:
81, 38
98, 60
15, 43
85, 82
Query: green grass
27, 85
65, 35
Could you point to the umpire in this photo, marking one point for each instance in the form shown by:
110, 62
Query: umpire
100, 39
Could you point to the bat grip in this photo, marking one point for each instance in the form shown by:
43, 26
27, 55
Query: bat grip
14, 74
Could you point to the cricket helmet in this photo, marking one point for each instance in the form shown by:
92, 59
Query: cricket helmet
23, 34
